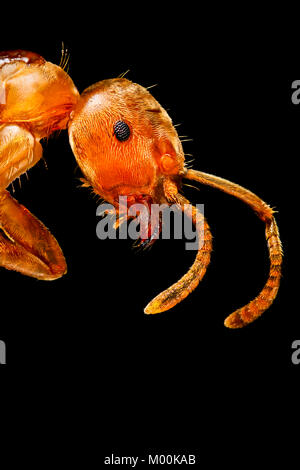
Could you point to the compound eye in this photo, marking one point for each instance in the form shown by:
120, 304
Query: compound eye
121, 131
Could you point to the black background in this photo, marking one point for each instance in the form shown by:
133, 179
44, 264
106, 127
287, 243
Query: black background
165, 380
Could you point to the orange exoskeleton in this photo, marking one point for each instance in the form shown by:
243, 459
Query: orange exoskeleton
36, 98
126, 145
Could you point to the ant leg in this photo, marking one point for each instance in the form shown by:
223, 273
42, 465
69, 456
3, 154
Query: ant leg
181, 289
26, 245
19, 151
264, 300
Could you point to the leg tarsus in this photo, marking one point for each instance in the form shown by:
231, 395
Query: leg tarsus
26, 245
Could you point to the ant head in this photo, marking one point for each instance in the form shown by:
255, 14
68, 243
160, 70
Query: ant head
123, 140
